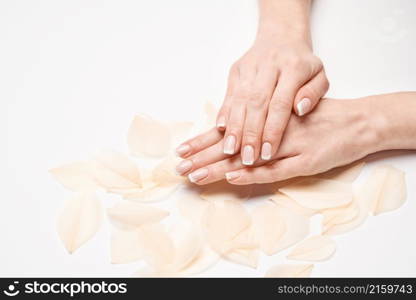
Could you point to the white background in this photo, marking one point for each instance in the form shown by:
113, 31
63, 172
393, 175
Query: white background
73, 74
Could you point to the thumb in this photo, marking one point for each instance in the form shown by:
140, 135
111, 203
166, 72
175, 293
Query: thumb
310, 93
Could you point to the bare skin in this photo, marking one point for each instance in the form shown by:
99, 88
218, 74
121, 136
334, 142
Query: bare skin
335, 134
277, 74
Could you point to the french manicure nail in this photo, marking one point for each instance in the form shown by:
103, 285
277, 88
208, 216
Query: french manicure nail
183, 149
248, 155
198, 175
266, 151
221, 122
229, 145
303, 106
183, 167
232, 175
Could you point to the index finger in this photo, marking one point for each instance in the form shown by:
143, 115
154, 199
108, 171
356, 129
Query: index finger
199, 143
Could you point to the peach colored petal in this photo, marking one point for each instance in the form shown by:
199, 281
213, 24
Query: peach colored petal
80, 220
223, 220
289, 270
125, 247
192, 207
346, 173
285, 201
223, 190
269, 226
113, 170
315, 248
245, 257
128, 214
318, 193
76, 176
148, 137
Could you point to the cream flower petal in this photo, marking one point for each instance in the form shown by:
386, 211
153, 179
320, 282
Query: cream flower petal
132, 214
80, 220
317, 193
316, 248
289, 270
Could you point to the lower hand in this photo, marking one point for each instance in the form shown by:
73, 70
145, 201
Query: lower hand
335, 134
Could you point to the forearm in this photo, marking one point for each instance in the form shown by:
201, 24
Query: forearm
394, 119
284, 20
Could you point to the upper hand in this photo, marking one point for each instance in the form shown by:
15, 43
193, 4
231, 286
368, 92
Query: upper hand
271, 79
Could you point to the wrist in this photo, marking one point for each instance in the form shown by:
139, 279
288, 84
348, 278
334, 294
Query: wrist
272, 31
393, 116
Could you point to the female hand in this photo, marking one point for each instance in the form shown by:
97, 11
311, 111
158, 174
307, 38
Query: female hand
277, 74
335, 134
263, 87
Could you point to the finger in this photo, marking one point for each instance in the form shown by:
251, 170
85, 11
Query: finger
233, 133
216, 171
277, 171
204, 157
199, 143
310, 93
223, 114
256, 112
278, 115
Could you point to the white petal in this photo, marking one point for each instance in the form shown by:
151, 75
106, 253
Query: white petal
363, 204
80, 220
297, 228
125, 247
223, 220
317, 193
76, 176
180, 131
245, 257
222, 190
205, 259
285, 201
192, 207
158, 247
346, 173
154, 194
187, 242
316, 248
286, 270
163, 174
340, 215
132, 214
116, 171
269, 227
386, 189
148, 137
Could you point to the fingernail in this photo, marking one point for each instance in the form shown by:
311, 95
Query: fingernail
183, 167
232, 175
248, 155
303, 106
198, 175
229, 145
183, 149
266, 151
221, 122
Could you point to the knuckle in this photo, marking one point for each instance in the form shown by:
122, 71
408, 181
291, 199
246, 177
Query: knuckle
256, 98
281, 104
295, 62
272, 132
195, 143
250, 135
310, 91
